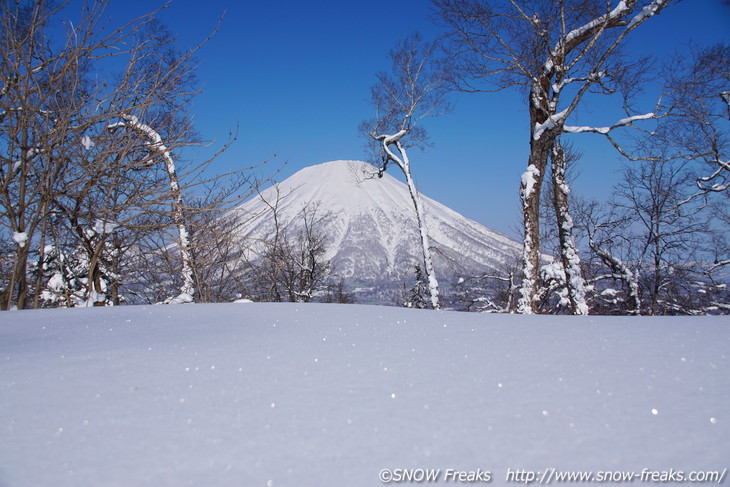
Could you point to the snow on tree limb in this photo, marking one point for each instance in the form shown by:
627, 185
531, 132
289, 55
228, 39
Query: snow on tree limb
704, 188
719, 264
619, 11
20, 238
528, 179
725, 95
552, 122
646, 12
604, 130
621, 271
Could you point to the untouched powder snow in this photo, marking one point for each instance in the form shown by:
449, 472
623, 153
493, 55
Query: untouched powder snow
329, 395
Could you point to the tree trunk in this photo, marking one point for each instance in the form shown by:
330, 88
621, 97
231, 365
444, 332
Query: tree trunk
530, 188
115, 293
94, 284
634, 299
187, 288
618, 267
511, 292
433, 285
657, 278
405, 166
568, 250
18, 283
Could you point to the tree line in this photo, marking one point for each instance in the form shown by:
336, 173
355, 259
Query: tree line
98, 206
659, 246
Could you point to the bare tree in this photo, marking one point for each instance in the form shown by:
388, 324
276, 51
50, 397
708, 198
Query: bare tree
689, 144
557, 52
64, 158
417, 88
38, 87
700, 128
266, 259
216, 244
649, 195
290, 264
612, 274
307, 267
338, 293
489, 293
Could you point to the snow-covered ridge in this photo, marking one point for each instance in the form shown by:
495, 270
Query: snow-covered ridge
372, 225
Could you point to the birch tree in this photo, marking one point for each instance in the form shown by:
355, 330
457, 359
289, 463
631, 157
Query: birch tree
160, 150
557, 53
416, 88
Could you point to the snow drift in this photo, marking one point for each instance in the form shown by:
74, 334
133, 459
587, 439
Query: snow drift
323, 395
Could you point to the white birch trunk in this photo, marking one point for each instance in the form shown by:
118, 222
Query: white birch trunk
433, 285
568, 250
187, 289
405, 166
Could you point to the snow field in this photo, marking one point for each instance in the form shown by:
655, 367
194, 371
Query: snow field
319, 395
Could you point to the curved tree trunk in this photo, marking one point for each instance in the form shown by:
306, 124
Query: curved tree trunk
405, 166
187, 288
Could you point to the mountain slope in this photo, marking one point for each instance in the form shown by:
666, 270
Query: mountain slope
371, 225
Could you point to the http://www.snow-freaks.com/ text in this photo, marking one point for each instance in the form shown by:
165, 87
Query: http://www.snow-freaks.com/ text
549, 476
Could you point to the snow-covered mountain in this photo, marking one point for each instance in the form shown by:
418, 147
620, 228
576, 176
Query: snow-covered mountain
370, 223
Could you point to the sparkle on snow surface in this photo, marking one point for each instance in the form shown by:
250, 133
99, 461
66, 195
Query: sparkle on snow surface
319, 395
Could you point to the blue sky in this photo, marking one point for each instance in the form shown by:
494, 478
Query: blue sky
295, 76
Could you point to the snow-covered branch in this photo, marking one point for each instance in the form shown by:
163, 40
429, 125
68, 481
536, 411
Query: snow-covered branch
604, 130
618, 267
552, 122
646, 12
718, 264
713, 187
725, 95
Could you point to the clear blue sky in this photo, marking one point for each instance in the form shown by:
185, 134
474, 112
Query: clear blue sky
295, 76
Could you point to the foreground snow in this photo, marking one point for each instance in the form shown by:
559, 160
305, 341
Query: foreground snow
328, 395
